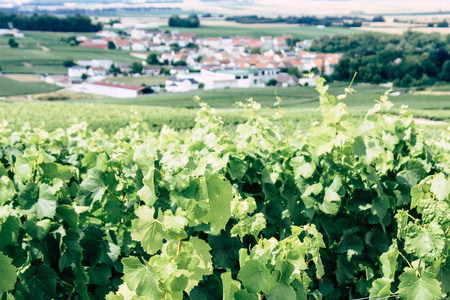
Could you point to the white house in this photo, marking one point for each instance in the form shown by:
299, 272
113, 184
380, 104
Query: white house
268, 74
97, 72
116, 90
179, 70
175, 85
213, 80
76, 71
245, 77
104, 63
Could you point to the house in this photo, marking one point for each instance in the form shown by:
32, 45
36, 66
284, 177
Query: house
306, 81
175, 85
11, 32
122, 44
212, 80
104, 63
245, 78
76, 72
107, 34
59, 80
151, 70
179, 70
97, 72
268, 74
124, 67
286, 80
94, 43
139, 46
116, 90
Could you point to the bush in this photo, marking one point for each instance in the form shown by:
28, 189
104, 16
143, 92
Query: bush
191, 21
12, 43
69, 63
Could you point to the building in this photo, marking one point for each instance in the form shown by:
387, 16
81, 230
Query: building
116, 90
76, 72
245, 77
104, 63
212, 80
175, 85
268, 74
286, 80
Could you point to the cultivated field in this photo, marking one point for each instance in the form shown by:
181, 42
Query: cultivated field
10, 87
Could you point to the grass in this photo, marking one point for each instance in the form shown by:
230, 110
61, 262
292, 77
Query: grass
10, 87
144, 79
31, 52
301, 32
294, 97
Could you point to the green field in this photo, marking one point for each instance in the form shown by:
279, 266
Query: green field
430, 106
9, 87
301, 32
178, 110
31, 57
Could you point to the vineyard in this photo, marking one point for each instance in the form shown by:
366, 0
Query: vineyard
263, 211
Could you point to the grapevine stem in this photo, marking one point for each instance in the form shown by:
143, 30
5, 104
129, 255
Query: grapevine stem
409, 264
162, 174
415, 220
179, 247
109, 191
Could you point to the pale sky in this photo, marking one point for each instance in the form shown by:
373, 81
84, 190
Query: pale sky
302, 7
319, 7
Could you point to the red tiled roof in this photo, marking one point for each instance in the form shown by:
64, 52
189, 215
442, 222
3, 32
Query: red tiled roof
92, 45
119, 85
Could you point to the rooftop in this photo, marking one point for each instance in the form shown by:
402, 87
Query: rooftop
238, 71
120, 85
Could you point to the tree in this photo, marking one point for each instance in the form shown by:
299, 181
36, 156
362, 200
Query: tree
378, 19
84, 76
201, 85
12, 43
191, 21
152, 59
180, 63
442, 24
136, 68
445, 73
111, 45
68, 63
272, 82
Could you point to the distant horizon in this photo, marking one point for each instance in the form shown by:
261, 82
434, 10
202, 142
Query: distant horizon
285, 7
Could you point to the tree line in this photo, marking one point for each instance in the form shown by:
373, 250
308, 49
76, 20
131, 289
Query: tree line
191, 21
74, 23
411, 59
303, 20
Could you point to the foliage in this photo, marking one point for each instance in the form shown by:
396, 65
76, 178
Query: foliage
412, 59
272, 82
12, 43
379, 18
304, 20
136, 68
69, 63
71, 23
263, 211
191, 21
111, 45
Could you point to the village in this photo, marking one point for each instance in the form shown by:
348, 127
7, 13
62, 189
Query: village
192, 62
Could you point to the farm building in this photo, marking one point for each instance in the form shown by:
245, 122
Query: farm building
116, 90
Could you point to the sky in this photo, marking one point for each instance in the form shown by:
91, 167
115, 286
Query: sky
302, 7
